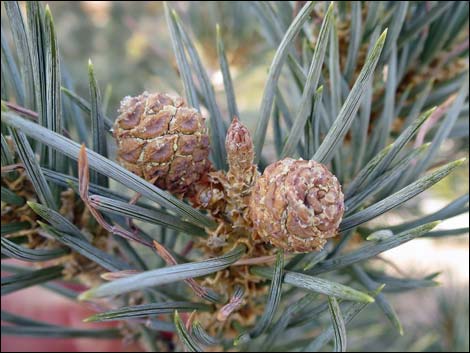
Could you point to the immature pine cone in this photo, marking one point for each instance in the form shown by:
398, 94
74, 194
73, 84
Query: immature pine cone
162, 140
239, 147
242, 172
296, 205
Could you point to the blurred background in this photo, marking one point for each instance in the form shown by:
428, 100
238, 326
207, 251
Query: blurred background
129, 45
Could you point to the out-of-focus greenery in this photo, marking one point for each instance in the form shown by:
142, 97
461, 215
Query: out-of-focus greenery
131, 50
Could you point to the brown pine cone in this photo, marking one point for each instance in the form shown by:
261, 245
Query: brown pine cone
162, 140
296, 205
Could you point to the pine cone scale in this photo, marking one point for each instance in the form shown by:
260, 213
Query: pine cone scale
161, 139
296, 205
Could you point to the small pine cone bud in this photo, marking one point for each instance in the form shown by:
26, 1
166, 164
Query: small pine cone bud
242, 173
296, 205
239, 146
162, 140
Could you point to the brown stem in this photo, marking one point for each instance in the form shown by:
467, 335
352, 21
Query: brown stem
187, 248
258, 260
12, 167
90, 203
189, 321
31, 114
432, 120
236, 301
170, 260
130, 221
457, 50
111, 276
22, 110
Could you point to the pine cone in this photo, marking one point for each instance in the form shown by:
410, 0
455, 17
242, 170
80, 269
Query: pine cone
242, 173
296, 205
239, 147
162, 140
